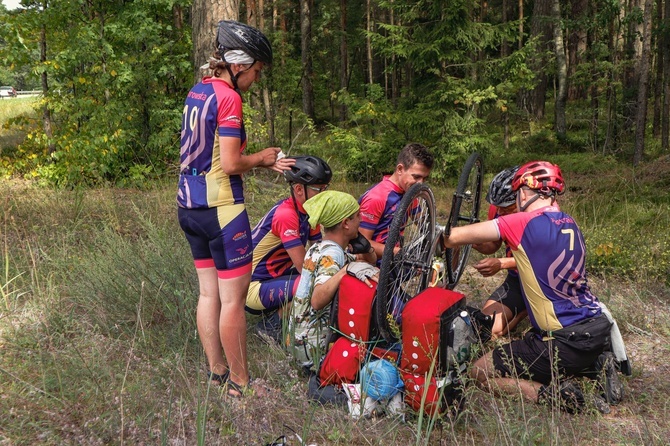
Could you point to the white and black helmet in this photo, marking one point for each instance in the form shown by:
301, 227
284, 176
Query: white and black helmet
500, 192
233, 35
308, 170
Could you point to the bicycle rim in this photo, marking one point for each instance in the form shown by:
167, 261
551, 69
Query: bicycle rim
464, 211
405, 274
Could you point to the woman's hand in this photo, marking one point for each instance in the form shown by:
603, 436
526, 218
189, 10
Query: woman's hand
269, 156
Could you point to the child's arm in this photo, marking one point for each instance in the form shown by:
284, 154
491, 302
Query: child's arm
324, 292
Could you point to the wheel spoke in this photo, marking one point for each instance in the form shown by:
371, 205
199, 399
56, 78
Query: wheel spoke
406, 273
464, 211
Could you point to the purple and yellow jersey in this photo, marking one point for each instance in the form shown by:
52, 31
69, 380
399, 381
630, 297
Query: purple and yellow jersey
279, 230
378, 205
550, 255
212, 109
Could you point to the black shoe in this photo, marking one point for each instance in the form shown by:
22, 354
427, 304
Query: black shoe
269, 328
325, 395
567, 395
608, 378
600, 404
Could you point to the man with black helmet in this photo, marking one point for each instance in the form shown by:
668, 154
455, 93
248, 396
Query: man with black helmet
570, 330
210, 196
280, 239
506, 302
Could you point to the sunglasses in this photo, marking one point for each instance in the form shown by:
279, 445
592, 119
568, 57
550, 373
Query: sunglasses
318, 190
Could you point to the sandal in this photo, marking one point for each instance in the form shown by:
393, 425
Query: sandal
219, 379
239, 391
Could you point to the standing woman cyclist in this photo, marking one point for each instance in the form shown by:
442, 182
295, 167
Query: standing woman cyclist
211, 210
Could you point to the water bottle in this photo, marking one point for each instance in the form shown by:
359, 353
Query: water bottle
466, 318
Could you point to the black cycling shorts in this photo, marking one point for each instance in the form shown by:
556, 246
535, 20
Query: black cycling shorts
509, 294
535, 359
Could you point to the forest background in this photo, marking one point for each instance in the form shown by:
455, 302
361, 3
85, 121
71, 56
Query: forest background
366, 76
97, 335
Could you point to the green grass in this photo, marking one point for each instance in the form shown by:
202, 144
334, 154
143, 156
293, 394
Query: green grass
10, 135
98, 341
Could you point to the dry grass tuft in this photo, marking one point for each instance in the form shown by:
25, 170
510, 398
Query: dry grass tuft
98, 343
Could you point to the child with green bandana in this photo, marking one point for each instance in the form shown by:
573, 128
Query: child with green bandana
324, 266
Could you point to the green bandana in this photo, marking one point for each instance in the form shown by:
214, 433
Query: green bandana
330, 208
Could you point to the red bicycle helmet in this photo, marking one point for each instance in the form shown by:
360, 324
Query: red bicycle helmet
542, 176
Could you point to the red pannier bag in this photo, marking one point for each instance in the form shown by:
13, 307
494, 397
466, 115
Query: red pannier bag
352, 311
436, 339
415, 388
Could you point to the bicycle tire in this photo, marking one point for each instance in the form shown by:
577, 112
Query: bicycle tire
403, 275
464, 211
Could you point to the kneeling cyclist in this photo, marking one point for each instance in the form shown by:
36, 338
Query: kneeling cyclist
279, 243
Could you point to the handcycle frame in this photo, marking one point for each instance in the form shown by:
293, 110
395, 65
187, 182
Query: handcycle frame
414, 241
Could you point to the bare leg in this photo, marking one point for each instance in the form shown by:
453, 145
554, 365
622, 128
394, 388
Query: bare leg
233, 326
207, 317
483, 371
504, 320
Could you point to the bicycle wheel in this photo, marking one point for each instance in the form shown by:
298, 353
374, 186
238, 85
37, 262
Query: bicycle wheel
407, 259
464, 211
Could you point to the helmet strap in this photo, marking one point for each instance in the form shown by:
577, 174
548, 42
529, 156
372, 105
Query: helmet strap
532, 200
295, 200
528, 203
233, 77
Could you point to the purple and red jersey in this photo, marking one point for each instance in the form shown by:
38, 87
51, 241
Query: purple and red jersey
212, 109
282, 228
550, 255
378, 205
493, 214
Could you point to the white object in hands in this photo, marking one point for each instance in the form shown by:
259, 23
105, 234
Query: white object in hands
280, 155
396, 405
359, 404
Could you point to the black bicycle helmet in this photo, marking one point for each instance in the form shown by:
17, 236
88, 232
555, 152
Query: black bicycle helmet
233, 35
500, 192
308, 170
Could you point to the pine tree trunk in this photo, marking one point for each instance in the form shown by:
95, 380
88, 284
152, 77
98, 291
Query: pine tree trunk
344, 56
576, 46
504, 48
611, 138
520, 24
665, 121
594, 92
205, 16
306, 47
46, 113
178, 17
533, 101
396, 72
258, 20
506, 129
368, 43
561, 70
641, 113
633, 53
658, 78
251, 19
